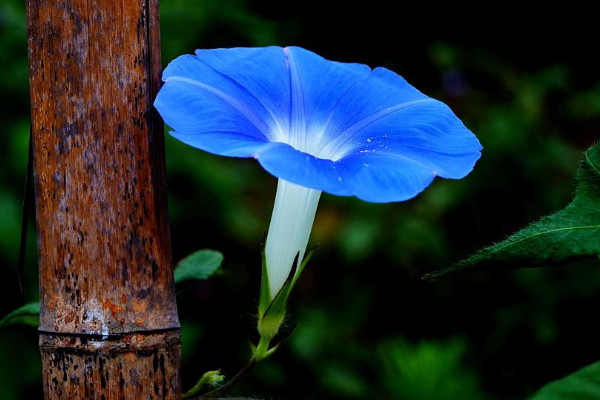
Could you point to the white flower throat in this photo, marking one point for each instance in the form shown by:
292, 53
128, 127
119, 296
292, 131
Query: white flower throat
293, 216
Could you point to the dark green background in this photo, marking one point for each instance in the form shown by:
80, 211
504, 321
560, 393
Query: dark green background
526, 84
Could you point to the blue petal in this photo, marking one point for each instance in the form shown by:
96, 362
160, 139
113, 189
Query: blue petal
338, 127
224, 143
283, 161
199, 117
244, 91
426, 132
318, 86
385, 178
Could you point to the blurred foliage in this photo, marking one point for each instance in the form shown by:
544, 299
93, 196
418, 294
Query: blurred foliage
428, 370
29, 314
367, 326
199, 265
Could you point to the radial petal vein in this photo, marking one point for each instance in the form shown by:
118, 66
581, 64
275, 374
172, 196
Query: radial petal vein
241, 108
335, 150
297, 127
258, 99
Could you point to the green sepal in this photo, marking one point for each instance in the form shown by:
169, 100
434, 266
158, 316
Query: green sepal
199, 265
307, 257
271, 312
28, 314
265, 289
272, 317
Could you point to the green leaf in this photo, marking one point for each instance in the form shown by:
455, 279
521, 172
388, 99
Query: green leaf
581, 385
29, 314
199, 265
571, 234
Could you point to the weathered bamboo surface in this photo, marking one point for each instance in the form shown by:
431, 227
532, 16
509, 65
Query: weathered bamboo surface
108, 318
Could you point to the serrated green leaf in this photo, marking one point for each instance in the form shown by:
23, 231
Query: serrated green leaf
199, 265
29, 314
581, 385
568, 235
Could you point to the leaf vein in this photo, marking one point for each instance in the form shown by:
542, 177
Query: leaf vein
548, 232
587, 159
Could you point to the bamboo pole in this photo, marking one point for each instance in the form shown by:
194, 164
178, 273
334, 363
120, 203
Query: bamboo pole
108, 321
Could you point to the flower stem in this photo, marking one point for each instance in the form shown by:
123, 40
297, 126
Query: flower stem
262, 349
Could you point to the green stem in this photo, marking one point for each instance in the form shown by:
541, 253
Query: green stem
262, 349
193, 391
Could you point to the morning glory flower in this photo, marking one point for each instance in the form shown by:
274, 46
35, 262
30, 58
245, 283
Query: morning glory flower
318, 126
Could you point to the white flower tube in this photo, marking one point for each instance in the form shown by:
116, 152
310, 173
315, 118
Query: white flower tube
291, 223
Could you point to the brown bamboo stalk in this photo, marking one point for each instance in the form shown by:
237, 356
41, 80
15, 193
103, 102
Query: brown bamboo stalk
108, 321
